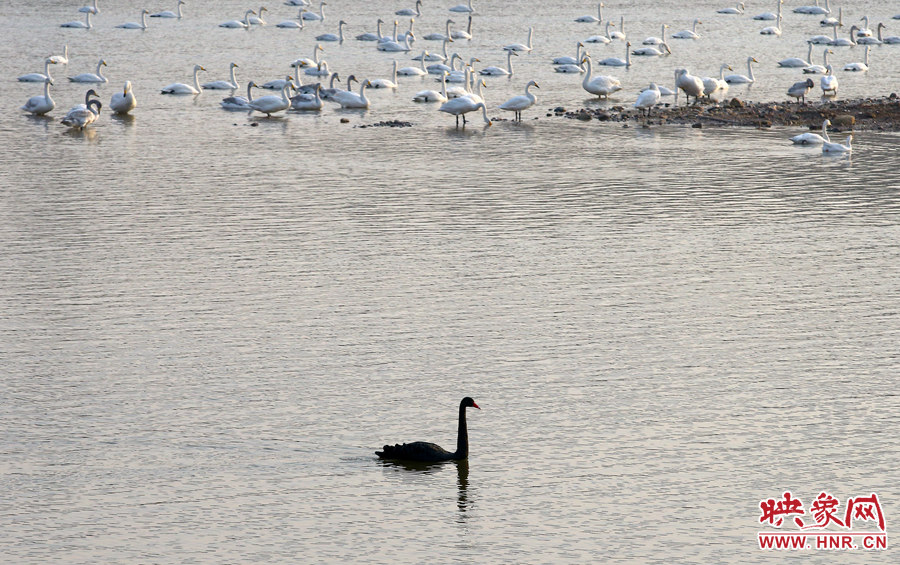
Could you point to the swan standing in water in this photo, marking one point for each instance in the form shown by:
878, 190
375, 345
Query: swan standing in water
61, 59
352, 100
743, 79
799, 90
462, 106
592, 19
239, 102
181, 88
519, 46
615, 61
231, 84
433, 95
339, 36
83, 114
92, 77
86, 24
691, 85
795, 62
239, 24
648, 98
499, 71
859, 67
829, 82
123, 102
521, 102
39, 77
41, 104
688, 33
135, 25
271, 104
170, 14
810, 138
602, 86
308, 102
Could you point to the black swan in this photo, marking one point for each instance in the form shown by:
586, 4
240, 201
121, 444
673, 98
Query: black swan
430, 452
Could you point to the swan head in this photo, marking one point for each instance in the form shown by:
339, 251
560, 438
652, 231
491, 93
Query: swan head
263, 9
533, 83
127, 87
469, 403
90, 93
102, 62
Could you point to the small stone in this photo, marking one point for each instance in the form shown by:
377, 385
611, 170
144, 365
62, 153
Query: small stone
583, 116
736, 103
345, 120
697, 125
843, 121
559, 110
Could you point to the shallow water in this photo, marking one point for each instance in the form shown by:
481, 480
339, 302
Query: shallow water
208, 327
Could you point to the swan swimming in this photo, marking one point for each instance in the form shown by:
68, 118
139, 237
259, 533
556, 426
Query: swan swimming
352, 100
39, 77
519, 46
615, 61
181, 88
239, 24
810, 138
231, 84
688, 33
308, 102
42, 103
743, 79
169, 13
86, 24
859, 67
239, 102
92, 77
499, 71
433, 95
134, 25
589, 19
61, 59
339, 36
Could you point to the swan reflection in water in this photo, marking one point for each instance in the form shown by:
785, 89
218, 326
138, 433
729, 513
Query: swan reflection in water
463, 501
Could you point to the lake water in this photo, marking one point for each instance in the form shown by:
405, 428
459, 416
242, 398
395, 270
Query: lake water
207, 327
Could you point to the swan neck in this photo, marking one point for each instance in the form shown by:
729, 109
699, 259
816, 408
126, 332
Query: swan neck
462, 435
197, 80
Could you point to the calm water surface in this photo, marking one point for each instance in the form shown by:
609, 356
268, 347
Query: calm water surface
207, 327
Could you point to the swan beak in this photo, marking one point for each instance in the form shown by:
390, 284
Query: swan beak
473, 404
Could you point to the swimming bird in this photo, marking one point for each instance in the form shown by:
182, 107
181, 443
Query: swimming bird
833, 147
772, 30
92, 9
843, 41
428, 452
239, 102
258, 19
463, 8
615, 61
500, 71
320, 17
42, 103
799, 90
169, 13
601, 86
181, 88
86, 24
314, 62
135, 25
648, 98
619, 33
519, 46
653, 40
859, 67
517, 104
39, 77
688, 33
810, 138
440, 36
815, 10
817, 69
92, 77
308, 102
831, 21
829, 82
352, 100
239, 24
231, 84
271, 104
386, 83
123, 102
61, 59
339, 36
460, 34
739, 10
795, 62
433, 95
396, 46
293, 24
652, 51
83, 115
417, 11
605, 39
869, 40
769, 16
743, 79
590, 19
566, 60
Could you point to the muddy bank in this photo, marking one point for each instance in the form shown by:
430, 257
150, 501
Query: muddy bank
870, 114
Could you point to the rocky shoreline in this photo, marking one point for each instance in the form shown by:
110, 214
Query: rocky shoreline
869, 114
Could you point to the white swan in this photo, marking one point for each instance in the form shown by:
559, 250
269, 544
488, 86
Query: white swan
615, 61
869, 40
796, 62
601, 38
181, 88
320, 70
61, 59
86, 24
691, 85
770, 16
712, 85
864, 31
39, 77
415, 71
648, 98
93, 9
429, 56
891, 39
518, 104
440, 36
462, 106
831, 21
688, 33
829, 82
837, 148
417, 11
135, 25
433, 95
815, 10
258, 19
314, 62
651, 51
339, 36
463, 8
500, 71
370, 35
239, 24
859, 67
92, 77
386, 83
843, 41
394, 46
589, 19
800, 89
652, 40
602, 85
816, 69
743, 79
41, 104
320, 17
293, 24
772, 30
239, 102
619, 33
231, 84
83, 115
123, 102
570, 60
460, 34
351, 100
810, 138
271, 104
739, 10
519, 46
308, 102
169, 13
